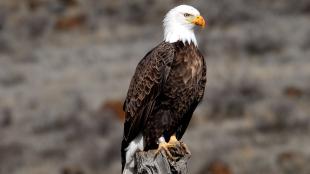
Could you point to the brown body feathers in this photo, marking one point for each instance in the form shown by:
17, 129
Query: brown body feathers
166, 88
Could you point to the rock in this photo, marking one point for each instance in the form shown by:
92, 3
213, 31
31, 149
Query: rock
148, 162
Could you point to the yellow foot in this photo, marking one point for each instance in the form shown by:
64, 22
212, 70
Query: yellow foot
173, 140
173, 143
164, 146
177, 143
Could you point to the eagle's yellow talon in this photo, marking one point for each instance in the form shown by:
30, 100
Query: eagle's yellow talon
164, 146
173, 142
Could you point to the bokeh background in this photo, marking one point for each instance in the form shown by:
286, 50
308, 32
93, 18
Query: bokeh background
65, 66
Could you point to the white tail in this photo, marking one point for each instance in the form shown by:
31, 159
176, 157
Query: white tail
133, 147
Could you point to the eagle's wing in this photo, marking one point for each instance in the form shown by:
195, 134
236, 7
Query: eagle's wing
196, 99
145, 86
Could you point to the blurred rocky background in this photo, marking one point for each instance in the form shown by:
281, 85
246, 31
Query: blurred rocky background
65, 66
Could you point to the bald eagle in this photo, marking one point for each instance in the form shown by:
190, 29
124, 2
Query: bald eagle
166, 88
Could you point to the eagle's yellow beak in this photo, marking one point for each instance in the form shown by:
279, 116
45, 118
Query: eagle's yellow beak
200, 21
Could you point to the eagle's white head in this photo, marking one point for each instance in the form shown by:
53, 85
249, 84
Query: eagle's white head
179, 24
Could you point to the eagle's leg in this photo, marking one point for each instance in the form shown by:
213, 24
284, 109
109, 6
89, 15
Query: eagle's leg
173, 140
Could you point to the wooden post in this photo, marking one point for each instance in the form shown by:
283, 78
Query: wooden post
150, 163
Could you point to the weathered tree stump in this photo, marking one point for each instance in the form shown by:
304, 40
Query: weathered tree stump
150, 163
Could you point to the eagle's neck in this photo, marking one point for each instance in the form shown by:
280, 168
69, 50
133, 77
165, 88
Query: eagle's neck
174, 32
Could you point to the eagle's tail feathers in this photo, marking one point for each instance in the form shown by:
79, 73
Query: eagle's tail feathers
133, 147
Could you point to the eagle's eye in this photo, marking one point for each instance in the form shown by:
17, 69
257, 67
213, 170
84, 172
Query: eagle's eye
187, 14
